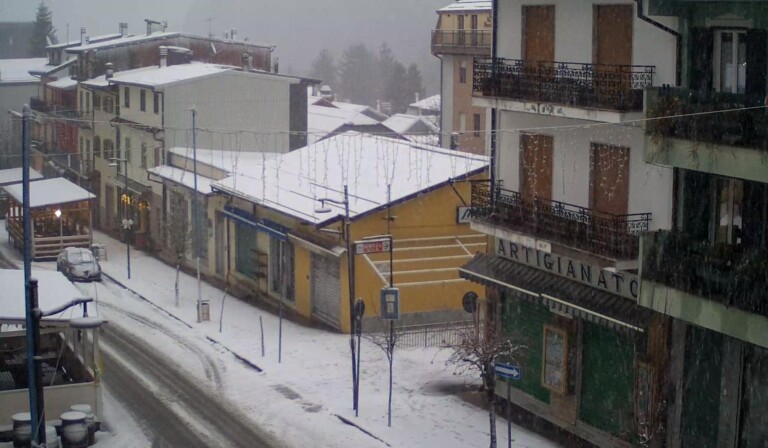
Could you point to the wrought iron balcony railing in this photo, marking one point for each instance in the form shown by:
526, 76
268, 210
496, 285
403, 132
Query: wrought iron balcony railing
40, 105
745, 125
729, 274
613, 87
463, 41
604, 234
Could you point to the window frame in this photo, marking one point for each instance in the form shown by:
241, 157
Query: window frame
143, 100
127, 97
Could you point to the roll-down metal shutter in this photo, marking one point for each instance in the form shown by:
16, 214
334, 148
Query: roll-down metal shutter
326, 289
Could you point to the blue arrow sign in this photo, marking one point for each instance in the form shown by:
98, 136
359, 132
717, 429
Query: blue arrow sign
508, 371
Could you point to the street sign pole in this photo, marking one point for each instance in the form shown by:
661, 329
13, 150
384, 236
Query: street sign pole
509, 416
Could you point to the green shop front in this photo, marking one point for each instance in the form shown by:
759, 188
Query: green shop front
593, 359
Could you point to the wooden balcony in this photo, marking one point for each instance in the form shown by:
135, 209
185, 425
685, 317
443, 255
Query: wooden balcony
467, 42
611, 236
595, 86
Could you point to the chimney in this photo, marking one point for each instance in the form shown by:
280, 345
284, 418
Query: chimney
417, 97
233, 34
82, 36
163, 57
378, 105
123, 29
454, 140
110, 70
87, 40
247, 62
165, 25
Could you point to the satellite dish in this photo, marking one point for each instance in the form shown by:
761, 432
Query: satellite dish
469, 302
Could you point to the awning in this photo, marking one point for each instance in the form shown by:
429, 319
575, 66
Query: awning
133, 186
559, 293
335, 251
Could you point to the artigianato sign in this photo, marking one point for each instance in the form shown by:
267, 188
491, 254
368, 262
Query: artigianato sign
619, 283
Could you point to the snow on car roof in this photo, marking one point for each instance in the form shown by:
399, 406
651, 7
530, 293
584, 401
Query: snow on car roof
50, 192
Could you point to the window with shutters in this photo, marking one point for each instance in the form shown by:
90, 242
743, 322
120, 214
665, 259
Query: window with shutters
143, 100
281, 268
143, 155
126, 97
156, 102
127, 149
97, 146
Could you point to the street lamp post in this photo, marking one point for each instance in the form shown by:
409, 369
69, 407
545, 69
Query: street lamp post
127, 222
36, 386
57, 213
350, 278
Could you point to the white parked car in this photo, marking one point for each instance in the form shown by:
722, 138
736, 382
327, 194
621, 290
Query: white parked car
78, 264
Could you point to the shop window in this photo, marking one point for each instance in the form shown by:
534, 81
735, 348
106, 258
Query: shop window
554, 374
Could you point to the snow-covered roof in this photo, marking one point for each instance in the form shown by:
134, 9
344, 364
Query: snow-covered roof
225, 160
50, 69
293, 183
49, 192
53, 290
102, 81
467, 5
65, 83
91, 40
13, 175
430, 103
321, 120
17, 70
183, 177
162, 76
403, 123
123, 41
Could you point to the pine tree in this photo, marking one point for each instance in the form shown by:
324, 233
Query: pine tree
357, 75
385, 67
396, 91
324, 68
414, 83
43, 31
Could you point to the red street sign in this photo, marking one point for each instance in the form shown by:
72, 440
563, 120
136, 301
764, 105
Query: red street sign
372, 246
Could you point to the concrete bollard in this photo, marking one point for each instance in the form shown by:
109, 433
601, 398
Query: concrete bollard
74, 430
90, 420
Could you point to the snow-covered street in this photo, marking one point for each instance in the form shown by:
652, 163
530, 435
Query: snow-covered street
303, 400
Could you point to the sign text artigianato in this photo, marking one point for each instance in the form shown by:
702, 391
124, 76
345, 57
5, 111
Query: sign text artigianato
619, 283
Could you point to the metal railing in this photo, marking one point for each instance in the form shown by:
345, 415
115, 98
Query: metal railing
605, 234
733, 275
746, 125
445, 40
614, 87
440, 335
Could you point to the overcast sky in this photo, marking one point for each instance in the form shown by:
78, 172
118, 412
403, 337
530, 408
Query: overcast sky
299, 28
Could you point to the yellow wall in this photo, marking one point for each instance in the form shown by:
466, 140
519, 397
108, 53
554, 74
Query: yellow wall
428, 216
449, 21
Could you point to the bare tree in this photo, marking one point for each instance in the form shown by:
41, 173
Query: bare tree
178, 234
477, 349
386, 339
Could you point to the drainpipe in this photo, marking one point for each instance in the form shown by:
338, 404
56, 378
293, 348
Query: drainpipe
494, 46
678, 60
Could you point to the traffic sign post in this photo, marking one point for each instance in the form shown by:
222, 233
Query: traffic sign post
513, 373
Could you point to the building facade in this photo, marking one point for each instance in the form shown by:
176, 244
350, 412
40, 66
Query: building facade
708, 272
463, 32
568, 197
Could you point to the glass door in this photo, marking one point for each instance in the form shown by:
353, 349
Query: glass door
730, 69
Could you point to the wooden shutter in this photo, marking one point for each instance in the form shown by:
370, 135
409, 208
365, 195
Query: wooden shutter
757, 45
536, 170
700, 55
613, 34
610, 179
539, 33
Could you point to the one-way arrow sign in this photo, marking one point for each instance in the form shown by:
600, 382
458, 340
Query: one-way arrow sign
508, 371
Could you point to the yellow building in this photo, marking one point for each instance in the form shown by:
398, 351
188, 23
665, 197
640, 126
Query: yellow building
463, 32
273, 236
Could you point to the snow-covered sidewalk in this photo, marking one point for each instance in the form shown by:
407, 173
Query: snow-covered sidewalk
316, 367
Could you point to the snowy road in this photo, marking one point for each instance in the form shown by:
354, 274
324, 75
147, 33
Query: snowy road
176, 408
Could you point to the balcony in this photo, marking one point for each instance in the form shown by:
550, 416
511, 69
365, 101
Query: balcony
609, 87
470, 42
611, 236
719, 133
40, 105
730, 275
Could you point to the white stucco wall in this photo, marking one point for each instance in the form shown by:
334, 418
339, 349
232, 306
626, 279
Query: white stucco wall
256, 120
574, 32
650, 187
